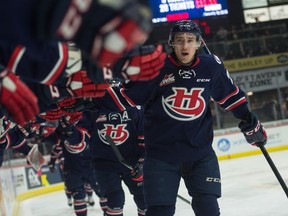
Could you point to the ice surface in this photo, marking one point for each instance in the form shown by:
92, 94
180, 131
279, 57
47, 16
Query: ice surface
249, 188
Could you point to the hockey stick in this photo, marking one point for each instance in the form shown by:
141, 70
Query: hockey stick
183, 199
117, 152
273, 167
122, 160
205, 47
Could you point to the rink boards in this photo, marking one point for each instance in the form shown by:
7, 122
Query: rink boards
23, 182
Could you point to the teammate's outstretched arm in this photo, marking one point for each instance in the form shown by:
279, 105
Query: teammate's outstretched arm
104, 30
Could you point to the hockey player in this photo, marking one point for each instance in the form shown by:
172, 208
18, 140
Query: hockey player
12, 137
78, 168
178, 123
19, 139
126, 130
56, 155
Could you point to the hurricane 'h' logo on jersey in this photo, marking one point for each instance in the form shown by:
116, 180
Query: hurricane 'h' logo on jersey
184, 105
77, 148
118, 133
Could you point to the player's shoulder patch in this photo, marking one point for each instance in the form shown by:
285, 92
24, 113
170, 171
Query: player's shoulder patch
217, 59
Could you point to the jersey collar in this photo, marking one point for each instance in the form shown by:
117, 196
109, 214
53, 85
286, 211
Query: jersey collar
175, 62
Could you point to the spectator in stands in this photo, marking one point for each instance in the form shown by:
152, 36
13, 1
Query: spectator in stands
264, 51
266, 33
230, 55
222, 33
249, 52
243, 31
233, 33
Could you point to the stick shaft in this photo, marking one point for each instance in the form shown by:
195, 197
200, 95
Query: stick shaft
205, 47
274, 169
117, 152
183, 199
122, 160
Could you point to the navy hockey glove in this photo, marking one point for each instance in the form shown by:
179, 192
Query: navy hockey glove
31, 130
45, 131
19, 101
253, 130
26, 130
76, 104
64, 126
67, 122
52, 115
137, 172
73, 117
80, 85
66, 103
142, 63
103, 29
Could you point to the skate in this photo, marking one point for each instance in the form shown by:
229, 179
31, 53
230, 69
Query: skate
70, 202
91, 201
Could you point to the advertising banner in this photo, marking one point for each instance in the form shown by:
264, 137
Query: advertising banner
33, 178
256, 62
20, 181
256, 15
252, 3
233, 141
8, 190
2, 201
279, 12
262, 80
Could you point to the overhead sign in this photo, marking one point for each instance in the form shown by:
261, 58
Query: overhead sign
257, 62
256, 15
262, 80
172, 10
279, 12
252, 3
277, 2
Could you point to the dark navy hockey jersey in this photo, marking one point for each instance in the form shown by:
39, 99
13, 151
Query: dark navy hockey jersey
76, 150
126, 130
14, 139
38, 67
56, 154
43, 64
178, 120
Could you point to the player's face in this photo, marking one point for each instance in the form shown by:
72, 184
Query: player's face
185, 46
